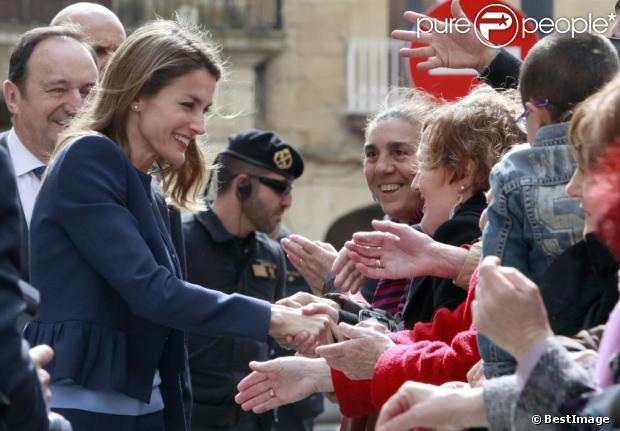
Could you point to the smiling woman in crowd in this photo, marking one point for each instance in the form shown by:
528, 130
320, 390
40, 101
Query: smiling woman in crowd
455, 157
391, 140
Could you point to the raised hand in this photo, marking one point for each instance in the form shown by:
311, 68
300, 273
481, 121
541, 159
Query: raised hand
445, 49
313, 259
282, 381
348, 278
356, 357
508, 308
397, 250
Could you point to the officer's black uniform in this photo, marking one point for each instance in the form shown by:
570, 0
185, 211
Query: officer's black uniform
253, 266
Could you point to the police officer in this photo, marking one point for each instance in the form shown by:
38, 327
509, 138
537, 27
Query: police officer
227, 250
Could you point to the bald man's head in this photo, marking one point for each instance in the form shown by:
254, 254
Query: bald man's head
98, 23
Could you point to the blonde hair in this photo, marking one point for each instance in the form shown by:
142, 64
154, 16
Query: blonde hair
595, 124
151, 57
478, 129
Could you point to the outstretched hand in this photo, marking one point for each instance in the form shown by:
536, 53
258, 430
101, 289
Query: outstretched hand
393, 251
444, 48
282, 381
356, 357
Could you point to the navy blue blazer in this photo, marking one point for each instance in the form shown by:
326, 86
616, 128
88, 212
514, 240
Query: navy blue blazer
21, 399
112, 304
22, 233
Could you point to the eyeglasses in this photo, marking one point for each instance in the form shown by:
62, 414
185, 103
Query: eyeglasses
281, 188
525, 113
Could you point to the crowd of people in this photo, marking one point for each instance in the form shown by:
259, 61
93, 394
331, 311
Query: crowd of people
160, 293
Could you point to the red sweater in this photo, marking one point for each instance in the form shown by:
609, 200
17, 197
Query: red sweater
435, 352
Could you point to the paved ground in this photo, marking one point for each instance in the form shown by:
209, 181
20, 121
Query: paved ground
329, 420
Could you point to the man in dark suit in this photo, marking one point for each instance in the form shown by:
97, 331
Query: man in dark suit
21, 399
51, 71
227, 250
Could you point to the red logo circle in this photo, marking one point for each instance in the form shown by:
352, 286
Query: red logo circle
496, 25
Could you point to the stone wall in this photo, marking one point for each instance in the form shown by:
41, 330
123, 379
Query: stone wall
305, 91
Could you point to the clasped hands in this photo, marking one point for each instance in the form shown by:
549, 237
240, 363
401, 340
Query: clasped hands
354, 350
289, 324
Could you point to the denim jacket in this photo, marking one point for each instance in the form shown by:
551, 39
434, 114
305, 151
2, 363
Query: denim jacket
531, 219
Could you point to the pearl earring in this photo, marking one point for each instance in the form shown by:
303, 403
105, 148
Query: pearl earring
135, 107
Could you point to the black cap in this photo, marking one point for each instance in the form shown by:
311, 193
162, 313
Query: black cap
267, 150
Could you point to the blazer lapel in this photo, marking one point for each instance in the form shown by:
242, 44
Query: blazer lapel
24, 249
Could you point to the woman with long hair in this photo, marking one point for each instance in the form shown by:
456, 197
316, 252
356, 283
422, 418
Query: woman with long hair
114, 306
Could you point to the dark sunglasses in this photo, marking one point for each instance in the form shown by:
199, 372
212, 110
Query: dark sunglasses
281, 188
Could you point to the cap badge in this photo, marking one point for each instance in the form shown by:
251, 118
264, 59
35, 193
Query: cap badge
283, 159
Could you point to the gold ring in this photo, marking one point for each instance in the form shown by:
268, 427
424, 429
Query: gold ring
272, 393
378, 263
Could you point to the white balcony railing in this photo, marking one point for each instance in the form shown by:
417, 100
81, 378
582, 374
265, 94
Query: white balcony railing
373, 67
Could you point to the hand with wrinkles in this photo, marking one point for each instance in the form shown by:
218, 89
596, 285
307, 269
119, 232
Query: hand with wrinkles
282, 381
397, 250
357, 356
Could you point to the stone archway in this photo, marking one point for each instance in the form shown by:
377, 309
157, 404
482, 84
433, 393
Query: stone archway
345, 226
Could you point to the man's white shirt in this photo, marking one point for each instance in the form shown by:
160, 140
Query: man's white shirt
27, 182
